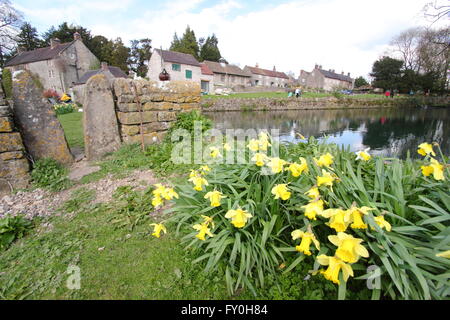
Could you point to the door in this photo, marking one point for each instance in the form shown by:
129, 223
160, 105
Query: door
205, 86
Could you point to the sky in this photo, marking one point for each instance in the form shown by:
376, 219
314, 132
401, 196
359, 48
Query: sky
344, 35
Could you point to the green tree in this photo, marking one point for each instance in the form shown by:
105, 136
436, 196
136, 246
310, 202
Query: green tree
28, 38
64, 32
140, 52
210, 50
187, 43
360, 81
102, 48
387, 73
119, 55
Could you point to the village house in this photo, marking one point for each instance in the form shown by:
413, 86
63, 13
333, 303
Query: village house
267, 78
180, 66
110, 73
228, 75
58, 66
206, 79
326, 80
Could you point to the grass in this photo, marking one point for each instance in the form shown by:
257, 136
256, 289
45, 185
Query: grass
285, 95
72, 124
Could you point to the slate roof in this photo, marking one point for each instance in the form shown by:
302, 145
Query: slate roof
37, 54
217, 67
178, 57
269, 73
337, 76
116, 72
206, 70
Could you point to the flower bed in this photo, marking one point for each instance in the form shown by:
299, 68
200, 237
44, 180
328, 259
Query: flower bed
362, 222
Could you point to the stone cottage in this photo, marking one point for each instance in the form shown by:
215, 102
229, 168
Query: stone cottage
266, 78
180, 66
206, 79
58, 66
228, 75
109, 71
327, 80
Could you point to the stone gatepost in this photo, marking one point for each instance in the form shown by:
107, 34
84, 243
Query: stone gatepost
41, 130
14, 168
101, 130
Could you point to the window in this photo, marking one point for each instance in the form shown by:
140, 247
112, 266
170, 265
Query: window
176, 67
188, 74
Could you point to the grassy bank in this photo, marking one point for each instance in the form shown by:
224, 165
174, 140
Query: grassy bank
72, 124
285, 95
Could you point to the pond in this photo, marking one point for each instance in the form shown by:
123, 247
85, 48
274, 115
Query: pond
390, 132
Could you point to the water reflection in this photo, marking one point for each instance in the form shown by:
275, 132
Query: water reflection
388, 131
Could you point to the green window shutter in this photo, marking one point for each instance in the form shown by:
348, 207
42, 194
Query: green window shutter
188, 74
176, 67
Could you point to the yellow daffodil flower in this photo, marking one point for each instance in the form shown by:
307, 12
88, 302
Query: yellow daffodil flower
157, 228
307, 238
326, 179
334, 267
281, 191
363, 155
445, 254
356, 216
313, 193
203, 230
349, 248
297, 169
259, 159
238, 217
263, 141
434, 168
313, 208
276, 165
302, 137
208, 220
198, 182
204, 169
157, 201
324, 160
383, 223
214, 197
214, 152
339, 219
253, 145
226, 147
263, 136
163, 192
426, 148
194, 173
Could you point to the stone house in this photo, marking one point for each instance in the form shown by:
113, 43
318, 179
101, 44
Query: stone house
327, 80
228, 75
58, 66
109, 71
180, 66
266, 78
206, 79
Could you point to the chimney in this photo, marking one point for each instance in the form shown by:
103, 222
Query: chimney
274, 69
316, 66
104, 66
332, 70
76, 36
257, 65
54, 42
342, 72
348, 74
320, 67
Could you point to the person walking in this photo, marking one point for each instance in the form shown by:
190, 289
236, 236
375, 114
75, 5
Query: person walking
297, 92
392, 93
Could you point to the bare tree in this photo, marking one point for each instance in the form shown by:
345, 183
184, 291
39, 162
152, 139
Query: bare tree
10, 22
435, 10
406, 44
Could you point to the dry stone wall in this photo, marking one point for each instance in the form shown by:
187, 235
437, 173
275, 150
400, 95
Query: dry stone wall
146, 109
14, 167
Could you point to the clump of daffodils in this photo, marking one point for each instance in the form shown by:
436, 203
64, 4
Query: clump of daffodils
204, 228
162, 193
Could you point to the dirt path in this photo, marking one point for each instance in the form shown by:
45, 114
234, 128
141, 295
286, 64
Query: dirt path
41, 203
